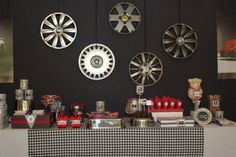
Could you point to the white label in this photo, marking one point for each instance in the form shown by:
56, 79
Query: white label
30, 119
149, 103
24, 105
139, 89
61, 122
75, 121
142, 101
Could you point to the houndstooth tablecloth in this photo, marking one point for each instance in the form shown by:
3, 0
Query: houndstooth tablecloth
128, 142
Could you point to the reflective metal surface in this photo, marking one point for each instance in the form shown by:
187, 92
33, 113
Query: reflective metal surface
180, 41
145, 69
2, 46
142, 122
96, 61
105, 123
124, 18
58, 30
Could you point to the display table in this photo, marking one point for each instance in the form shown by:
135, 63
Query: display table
116, 142
13, 142
218, 141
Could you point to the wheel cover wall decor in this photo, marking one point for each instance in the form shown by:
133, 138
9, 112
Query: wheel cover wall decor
145, 69
58, 30
96, 61
124, 18
180, 41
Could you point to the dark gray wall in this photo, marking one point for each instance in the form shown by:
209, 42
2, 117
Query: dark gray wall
56, 71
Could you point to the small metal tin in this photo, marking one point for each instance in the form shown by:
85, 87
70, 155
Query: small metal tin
3, 110
3, 103
100, 106
142, 122
202, 116
3, 122
24, 84
219, 114
3, 97
29, 94
19, 94
24, 105
105, 123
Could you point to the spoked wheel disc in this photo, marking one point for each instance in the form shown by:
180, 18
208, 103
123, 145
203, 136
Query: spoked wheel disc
96, 61
58, 30
180, 41
145, 69
124, 18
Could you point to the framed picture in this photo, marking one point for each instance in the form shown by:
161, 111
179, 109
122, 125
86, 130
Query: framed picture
226, 45
6, 49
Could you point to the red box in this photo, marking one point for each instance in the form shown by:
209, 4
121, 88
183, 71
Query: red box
31, 121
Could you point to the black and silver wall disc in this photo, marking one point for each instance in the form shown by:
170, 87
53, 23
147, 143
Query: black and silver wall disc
124, 18
58, 30
180, 41
145, 69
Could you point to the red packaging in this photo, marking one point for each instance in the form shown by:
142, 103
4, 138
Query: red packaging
75, 121
62, 121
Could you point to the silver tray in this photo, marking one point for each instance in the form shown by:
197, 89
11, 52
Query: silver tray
105, 123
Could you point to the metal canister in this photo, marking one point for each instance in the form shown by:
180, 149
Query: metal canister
219, 115
3, 97
24, 105
24, 84
3, 122
3, 111
19, 94
3, 100
29, 94
142, 122
100, 106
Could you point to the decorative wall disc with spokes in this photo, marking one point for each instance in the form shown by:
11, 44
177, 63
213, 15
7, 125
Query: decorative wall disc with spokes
145, 69
180, 41
58, 30
124, 18
96, 61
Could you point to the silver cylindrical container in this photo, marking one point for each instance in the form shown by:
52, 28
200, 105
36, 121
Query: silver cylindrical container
142, 122
3, 97
24, 84
19, 94
100, 106
3, 103
29, 94
3, 111
219, 115
3, 122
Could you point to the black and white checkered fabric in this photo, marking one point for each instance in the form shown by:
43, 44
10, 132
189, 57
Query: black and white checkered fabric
128, 142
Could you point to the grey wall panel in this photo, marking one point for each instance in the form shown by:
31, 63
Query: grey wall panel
4, 7
228, 5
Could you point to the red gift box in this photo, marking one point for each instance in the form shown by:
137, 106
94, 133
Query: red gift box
75, 121
62, 122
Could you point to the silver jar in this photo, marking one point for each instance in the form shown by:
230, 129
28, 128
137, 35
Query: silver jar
29, 94
19, 94
100, 106
24, 84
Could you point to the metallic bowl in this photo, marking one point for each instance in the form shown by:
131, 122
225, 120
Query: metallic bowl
142, 122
